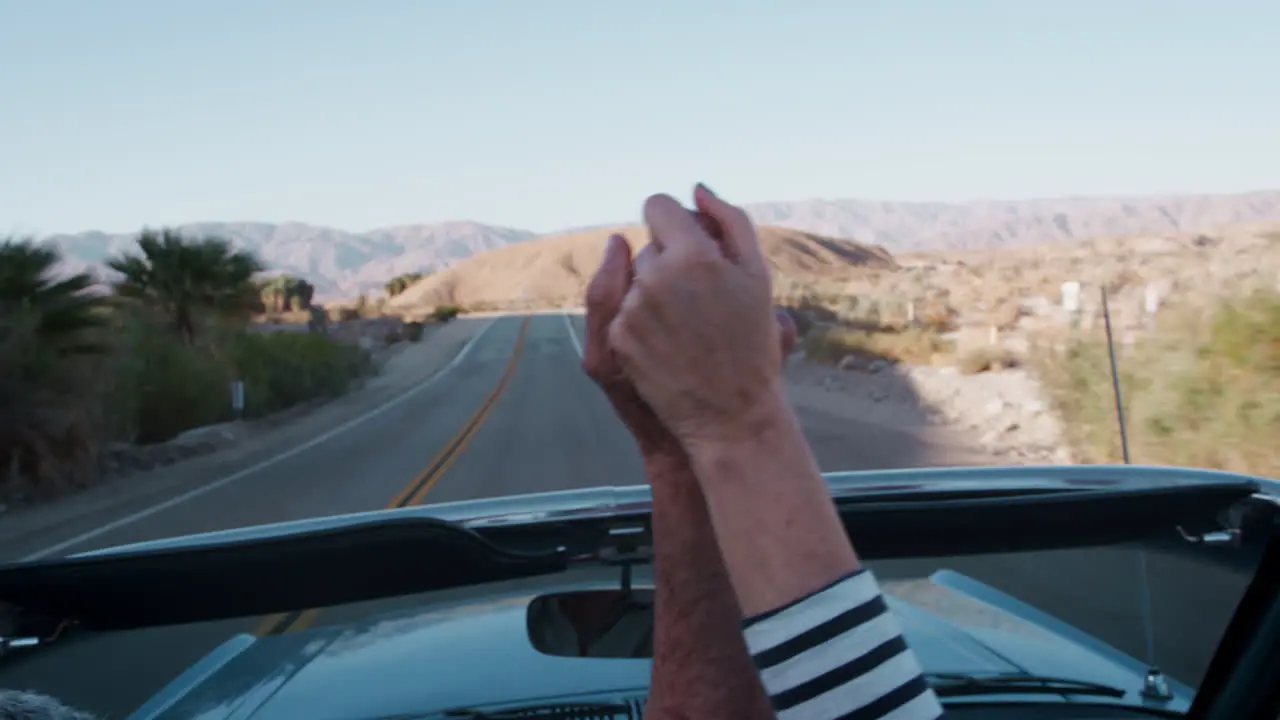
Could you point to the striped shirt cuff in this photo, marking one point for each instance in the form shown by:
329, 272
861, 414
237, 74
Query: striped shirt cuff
839, 653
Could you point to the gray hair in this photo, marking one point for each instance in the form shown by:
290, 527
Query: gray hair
28, 705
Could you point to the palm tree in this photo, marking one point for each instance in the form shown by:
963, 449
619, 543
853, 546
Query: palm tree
47, 323
400, 283
183, 277
61, 313
286, 292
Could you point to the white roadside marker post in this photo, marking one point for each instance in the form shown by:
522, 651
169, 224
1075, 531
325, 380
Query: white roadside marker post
1152, 303
237, 398
1071, 301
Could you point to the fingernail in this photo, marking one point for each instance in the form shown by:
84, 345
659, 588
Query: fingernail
708, 190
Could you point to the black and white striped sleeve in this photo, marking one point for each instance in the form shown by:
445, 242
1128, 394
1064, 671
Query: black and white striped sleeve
839, 653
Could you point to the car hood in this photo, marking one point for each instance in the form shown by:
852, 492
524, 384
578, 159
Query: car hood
474, 650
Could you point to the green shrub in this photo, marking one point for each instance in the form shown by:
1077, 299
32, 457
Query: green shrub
45, 400
163, 387
445, 313
51, 338
281, 370
78, 369
1202, 390
413, 331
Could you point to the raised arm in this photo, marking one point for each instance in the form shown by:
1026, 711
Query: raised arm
817, 626
694, 335
701, 665
701, 668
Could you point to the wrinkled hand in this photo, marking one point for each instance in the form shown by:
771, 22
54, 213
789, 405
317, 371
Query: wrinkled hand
605, 296
695, 332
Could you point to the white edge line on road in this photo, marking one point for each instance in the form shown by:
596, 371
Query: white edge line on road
196, 492
573, 336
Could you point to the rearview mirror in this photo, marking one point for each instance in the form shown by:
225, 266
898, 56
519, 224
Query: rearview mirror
594, 623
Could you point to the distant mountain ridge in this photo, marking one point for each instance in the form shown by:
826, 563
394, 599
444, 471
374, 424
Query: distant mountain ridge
343, 264
338, 263
911, 226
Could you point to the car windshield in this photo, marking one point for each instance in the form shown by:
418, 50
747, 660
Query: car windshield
316, 275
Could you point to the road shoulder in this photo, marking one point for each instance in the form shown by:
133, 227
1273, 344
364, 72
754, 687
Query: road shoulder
29, 529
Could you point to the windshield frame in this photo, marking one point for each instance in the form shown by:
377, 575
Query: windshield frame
1248, 655
888, 514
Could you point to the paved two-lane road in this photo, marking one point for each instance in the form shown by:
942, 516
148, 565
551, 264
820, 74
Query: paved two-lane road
513, 415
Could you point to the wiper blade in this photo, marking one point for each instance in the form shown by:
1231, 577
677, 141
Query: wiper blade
959, 684
549, 711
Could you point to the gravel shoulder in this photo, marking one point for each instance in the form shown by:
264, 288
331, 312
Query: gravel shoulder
997, 417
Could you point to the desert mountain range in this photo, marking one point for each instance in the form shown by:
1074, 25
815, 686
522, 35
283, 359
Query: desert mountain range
342, 264
339, 263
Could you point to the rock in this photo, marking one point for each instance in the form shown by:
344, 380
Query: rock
222, 433
861, 363
1037, 305
1004, 412
996, 433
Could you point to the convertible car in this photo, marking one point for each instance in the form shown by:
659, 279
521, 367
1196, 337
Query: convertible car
1053, 592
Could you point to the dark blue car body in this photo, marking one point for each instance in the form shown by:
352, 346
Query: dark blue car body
470, 647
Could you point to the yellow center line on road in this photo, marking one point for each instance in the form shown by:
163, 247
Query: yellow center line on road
416, 491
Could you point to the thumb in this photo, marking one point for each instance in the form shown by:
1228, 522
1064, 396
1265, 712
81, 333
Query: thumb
605, 293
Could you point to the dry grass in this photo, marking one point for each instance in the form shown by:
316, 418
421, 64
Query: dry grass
1203, 390
1014, 290
831, 344
989, 358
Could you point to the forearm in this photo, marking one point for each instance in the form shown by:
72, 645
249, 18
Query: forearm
701, 666
772, 512
818, 630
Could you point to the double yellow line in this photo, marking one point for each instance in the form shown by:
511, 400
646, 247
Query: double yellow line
414, 492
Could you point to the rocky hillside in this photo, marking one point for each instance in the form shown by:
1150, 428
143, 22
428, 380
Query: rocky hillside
343, 264
553, 271
1021, 287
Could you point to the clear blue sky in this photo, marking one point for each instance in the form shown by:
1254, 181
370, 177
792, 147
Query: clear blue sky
551, 113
